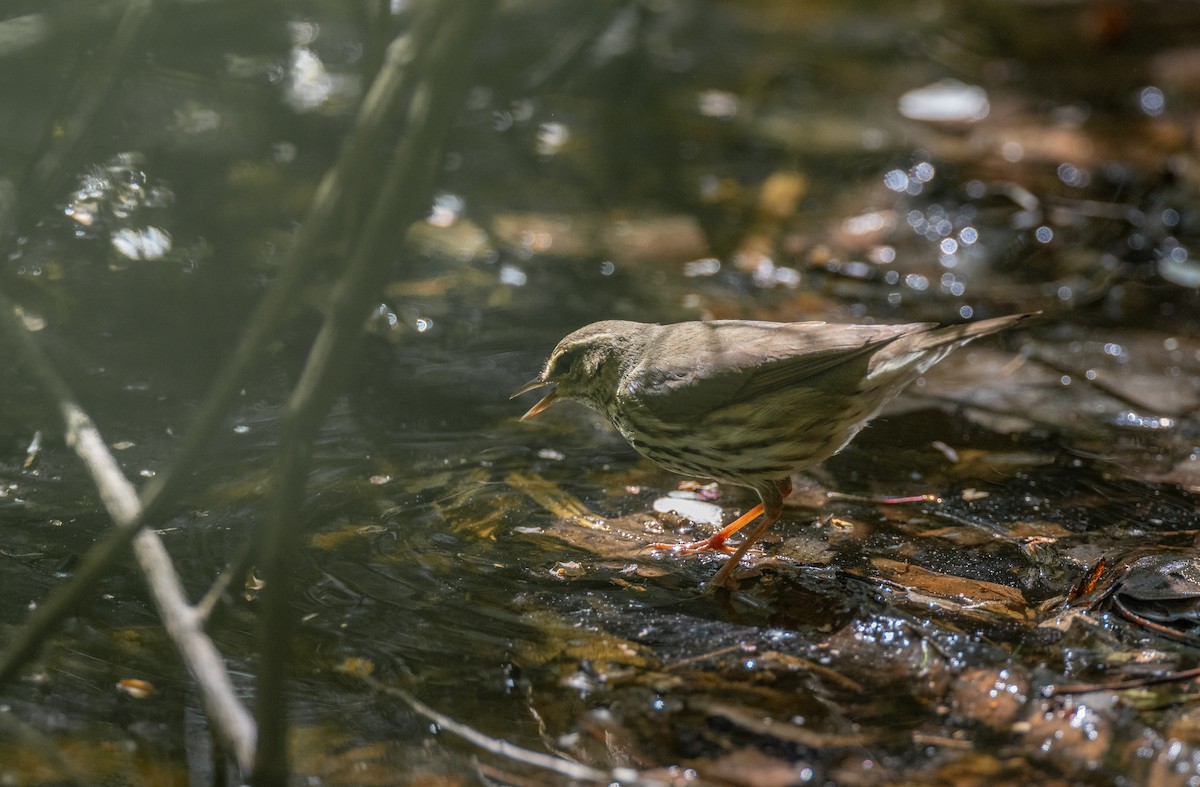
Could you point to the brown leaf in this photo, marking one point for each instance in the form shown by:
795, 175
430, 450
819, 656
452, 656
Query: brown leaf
752, 768
973, 598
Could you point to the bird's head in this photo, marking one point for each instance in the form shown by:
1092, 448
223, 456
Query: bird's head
586, 365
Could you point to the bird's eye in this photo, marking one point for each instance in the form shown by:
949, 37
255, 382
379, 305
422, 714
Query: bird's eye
562, 363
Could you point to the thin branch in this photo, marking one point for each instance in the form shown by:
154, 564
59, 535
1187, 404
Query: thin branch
424, 75
82, 435
235, 571
186, 629
353, 161
405, 195
502, 748
120, 500
1056, 690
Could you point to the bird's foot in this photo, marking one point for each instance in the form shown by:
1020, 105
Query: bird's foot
727, 579
714, 543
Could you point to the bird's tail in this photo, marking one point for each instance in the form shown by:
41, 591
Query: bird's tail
914, 353
959, 335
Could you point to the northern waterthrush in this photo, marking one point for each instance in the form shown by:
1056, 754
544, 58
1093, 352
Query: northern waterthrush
741, 402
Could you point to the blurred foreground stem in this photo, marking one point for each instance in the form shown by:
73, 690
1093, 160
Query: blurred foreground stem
424, 73
403, 120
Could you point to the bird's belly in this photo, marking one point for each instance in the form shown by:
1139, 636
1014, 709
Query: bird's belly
747, 444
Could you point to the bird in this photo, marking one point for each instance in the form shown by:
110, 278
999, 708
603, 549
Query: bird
743, 402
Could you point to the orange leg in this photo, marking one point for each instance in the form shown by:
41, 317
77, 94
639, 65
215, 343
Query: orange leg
724, 577
769, 510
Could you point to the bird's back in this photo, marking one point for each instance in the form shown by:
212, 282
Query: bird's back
752, 402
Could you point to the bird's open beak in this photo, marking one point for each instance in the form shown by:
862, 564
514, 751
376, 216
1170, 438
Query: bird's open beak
543, 403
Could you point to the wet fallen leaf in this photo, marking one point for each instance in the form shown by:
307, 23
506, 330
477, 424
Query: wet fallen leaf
356, 666
978, 769
138, 689
809, 550
668, 238
1087, 583
971, 598
333, 757
566, 643
749, 767
552, 497
332, 539
957, 534
1038, 528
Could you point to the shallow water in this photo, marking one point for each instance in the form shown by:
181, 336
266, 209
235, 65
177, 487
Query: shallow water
658, 162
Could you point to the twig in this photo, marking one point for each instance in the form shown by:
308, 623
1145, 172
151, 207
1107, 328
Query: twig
500, 747
1146, 623
80, 434
185, 627
356, 159
236, 571
93, 93
121, 502
405, 194
256, 337
424, 75
1121, 685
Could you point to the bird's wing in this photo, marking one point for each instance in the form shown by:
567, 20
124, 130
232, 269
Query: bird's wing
702, 367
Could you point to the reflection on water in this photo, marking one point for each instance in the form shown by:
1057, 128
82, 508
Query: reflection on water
652, 162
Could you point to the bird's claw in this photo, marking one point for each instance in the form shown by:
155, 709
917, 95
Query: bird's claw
714, 543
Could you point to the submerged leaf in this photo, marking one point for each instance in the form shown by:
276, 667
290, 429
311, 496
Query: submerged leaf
972, 598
